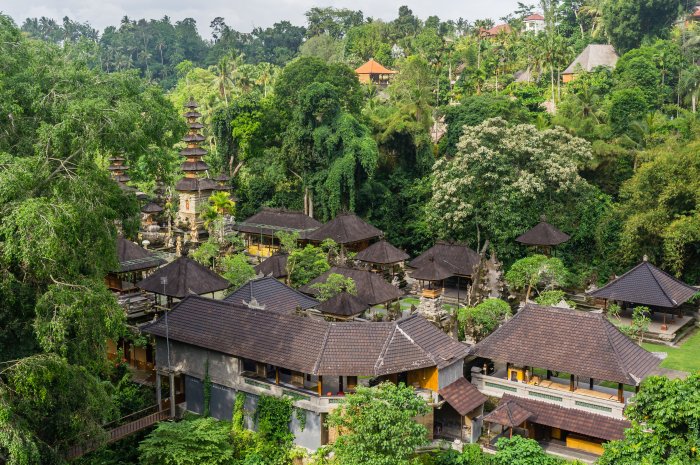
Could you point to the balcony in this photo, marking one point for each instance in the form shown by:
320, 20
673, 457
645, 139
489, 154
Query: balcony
580, 399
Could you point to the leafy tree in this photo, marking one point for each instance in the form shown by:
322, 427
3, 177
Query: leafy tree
536, 271
236, 269
333, 22
503, 176
664, 428
628, 22
188, 442
305, 264
521, 451
334, 284
553, 297
483, 319
379, 426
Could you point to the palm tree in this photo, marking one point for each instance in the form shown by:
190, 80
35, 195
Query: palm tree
689, 86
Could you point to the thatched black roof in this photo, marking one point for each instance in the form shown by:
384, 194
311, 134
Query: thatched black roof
196, 184
432, 270
645, 284
270, 220
543, 234
152, 207
343, 304
382, 253
134, 258
346, 228
275, 266
372, 288
458, 258
184, 277
270, 294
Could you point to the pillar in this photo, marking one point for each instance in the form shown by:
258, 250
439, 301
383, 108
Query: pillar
549, 374
277, 375
319, 385
620, 393
572, 388
171, 378
590, 384
340, 384
158, 394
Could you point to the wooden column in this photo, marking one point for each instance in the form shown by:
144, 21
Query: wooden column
340, 384
620, 393
277, 375
590, 384
171, 378
549, 374
319, 386
158, 394
572, 388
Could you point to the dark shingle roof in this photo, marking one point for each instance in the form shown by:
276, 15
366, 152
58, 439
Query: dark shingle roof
274, 295
152, 207
572, 341
592, 56
185, 276
134, 258
463, 396
382, 253
433, 270
309, 345
270, 220
543, 234
457, 257
343, 305
508, 414
196, 184
576, 421
345, 228
372, 288
645, 284
275, 266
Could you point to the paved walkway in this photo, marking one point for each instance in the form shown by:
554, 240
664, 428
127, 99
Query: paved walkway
568, 453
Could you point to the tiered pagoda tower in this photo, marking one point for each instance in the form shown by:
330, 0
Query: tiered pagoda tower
194, 188
118, 170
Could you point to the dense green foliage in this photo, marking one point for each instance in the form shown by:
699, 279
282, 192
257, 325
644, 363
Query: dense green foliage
378, 426
536, 271
483, 319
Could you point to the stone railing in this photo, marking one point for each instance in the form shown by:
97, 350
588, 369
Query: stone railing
302, 398
493, 386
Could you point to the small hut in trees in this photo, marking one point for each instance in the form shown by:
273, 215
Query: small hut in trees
134, 261
543, 236
348, 230
372, 288
183, 277
434, 272
373, 72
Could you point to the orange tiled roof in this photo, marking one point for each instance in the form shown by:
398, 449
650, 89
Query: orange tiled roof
372, 67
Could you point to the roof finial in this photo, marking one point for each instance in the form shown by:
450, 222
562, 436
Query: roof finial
645, 258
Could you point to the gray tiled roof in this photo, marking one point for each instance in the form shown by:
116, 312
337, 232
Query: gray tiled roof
275, 266
309, 345
372, 288
134, 258
343, 305
645, 284
270, 220
593, 56
345, 228
274, 295
382, 253
463, 396
572, 341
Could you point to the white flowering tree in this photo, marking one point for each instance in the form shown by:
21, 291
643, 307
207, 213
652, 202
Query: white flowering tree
503, 178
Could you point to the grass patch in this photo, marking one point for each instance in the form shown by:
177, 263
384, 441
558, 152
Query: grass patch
684, 358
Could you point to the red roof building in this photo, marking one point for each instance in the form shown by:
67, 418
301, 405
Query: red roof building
374, 72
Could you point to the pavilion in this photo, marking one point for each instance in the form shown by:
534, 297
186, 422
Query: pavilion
342, 307
372, 288
649, 286
543, 236
382, 256
259, 230
373, 72
347, 230
149, 210
181, 278
433, 271
134, 261
459, 259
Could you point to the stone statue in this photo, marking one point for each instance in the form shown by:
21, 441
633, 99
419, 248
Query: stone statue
178, 247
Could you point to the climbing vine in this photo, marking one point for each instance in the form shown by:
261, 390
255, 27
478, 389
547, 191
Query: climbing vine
238, 416
300, 414
273, 416
207, 389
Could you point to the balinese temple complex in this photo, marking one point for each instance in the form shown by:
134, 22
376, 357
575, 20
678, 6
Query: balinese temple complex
194, 188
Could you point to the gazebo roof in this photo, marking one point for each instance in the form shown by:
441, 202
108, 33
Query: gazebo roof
373, 67
372, 288
270, 220
543, 234
184, 276
134, 258
432, 270
460, 259
508, 414
152, 207
463, 396
573, 341
592, 56
382, 253
646, 284
346, 228
343, 304
275, 266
